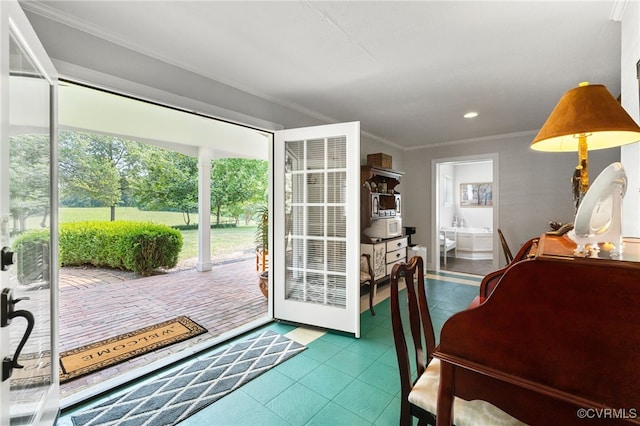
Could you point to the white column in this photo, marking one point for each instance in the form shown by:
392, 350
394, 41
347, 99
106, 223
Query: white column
204, 209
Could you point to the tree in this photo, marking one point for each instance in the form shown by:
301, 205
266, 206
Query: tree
29, 178
97, 169
107, 171
235, 184
169, 182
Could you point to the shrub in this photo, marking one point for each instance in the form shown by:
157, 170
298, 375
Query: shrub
32, 251
135, 246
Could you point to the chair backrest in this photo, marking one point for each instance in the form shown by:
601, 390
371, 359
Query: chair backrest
365, 266
419, 323
505, 247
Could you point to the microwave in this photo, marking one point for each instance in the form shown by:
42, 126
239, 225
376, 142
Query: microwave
384, 228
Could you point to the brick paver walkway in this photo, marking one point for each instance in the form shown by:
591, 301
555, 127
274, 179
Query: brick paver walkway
96, 304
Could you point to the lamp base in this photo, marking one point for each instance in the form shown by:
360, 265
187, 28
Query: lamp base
578, 188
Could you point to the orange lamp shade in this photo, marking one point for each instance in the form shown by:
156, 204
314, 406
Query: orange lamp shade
591, 111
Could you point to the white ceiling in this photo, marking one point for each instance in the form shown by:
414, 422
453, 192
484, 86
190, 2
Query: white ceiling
408, 71
86, 109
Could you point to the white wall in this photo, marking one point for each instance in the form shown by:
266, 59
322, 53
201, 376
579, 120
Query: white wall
474, 217
630, 157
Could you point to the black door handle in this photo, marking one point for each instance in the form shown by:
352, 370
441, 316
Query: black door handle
8, 313
7, 257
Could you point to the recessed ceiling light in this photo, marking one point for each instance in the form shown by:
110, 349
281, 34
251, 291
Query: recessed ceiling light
471, 114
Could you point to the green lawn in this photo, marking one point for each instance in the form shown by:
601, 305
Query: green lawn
224, 241
122, 213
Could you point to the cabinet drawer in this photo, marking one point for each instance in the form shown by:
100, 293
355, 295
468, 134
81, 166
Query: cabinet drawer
390, 265
396, 244
394, 256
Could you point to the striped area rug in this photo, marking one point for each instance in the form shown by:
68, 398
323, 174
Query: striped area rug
176, 396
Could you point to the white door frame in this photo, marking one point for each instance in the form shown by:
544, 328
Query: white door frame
14, 22
317, 313
437, 197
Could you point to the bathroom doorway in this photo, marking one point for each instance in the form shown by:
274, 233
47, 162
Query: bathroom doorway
465, 214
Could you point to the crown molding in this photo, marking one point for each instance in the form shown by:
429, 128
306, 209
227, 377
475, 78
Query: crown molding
531, 133
617, 12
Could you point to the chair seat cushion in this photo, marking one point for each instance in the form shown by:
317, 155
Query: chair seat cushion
465, 413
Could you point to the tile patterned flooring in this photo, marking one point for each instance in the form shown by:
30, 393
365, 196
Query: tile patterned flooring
338, 380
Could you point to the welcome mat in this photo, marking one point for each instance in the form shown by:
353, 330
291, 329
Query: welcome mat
36, 371
176, 396
105, 353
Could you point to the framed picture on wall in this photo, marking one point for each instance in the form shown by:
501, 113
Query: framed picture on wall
476, 194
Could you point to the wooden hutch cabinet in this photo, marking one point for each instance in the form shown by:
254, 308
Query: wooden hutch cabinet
380, 200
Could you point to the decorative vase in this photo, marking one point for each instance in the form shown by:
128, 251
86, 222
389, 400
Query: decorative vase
263, 283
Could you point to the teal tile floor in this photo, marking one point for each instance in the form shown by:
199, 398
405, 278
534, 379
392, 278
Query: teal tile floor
337, 380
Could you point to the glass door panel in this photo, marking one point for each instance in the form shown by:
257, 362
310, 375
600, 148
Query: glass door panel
320, 239
29, 389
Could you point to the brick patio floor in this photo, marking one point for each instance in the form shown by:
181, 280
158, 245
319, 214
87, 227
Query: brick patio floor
96, 304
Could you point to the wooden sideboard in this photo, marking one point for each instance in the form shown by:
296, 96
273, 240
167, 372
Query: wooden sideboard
555, 340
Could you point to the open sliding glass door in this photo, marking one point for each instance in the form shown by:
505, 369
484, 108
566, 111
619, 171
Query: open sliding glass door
316, 215
28, 225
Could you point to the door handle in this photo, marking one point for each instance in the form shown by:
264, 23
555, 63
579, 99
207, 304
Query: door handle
7, 304
7, 257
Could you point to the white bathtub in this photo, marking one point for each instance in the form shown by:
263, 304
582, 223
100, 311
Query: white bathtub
475, 243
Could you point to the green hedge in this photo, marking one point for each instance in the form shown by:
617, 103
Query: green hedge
134, 246
32, 251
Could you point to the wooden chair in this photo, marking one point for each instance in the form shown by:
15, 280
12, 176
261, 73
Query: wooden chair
419, 391
505, 247
490, 281
366, 277
421, 330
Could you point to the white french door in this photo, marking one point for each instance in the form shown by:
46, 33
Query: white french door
28, 225
316, 226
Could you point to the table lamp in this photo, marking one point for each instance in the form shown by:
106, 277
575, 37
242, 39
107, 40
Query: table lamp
587, 117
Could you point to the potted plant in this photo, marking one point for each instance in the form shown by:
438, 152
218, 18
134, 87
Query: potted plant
262, 248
